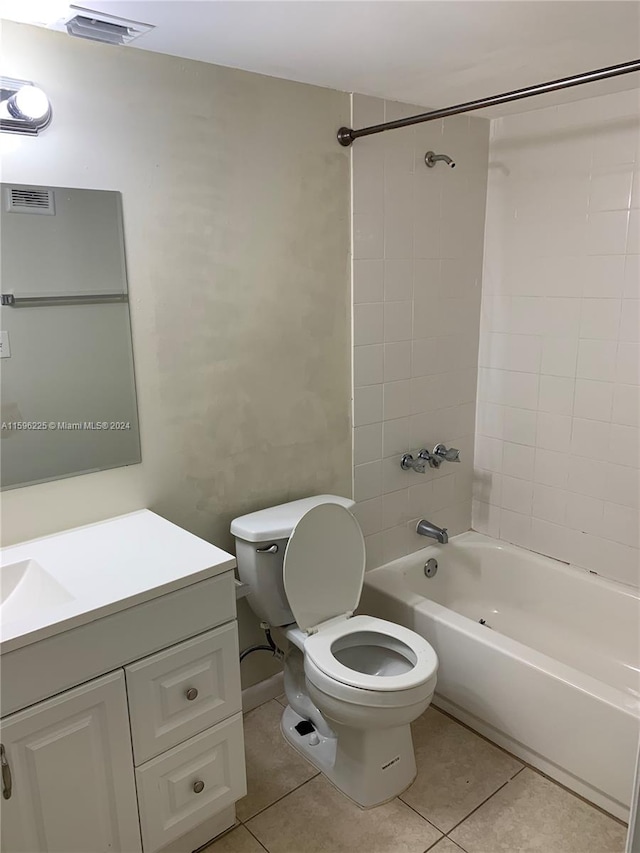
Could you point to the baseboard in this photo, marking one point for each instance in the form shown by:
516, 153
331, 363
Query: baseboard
261, 692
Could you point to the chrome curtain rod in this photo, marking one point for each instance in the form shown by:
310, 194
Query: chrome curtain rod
347, 135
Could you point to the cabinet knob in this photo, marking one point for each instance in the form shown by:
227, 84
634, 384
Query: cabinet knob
191, 694
198, 787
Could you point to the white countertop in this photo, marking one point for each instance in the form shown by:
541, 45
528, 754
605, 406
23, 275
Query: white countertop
107, 567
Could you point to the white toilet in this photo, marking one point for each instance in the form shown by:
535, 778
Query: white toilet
353, 683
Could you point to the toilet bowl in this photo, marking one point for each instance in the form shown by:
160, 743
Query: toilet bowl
369, 679
369, 662
353, 683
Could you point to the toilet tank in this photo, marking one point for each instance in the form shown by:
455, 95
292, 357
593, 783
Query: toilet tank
261, 541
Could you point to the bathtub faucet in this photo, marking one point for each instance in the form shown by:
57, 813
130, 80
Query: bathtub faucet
426, 528
434, 459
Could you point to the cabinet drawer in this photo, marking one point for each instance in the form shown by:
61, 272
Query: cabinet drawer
191, 783
183, 690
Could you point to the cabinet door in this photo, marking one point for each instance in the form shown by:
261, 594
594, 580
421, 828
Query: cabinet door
72, 782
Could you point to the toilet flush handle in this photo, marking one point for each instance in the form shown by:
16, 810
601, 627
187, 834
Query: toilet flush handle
270, 549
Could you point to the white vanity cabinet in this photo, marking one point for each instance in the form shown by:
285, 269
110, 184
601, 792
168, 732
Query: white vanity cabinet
154, 749
69, 773
122, 726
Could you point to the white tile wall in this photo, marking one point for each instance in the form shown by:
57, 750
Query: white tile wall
418, 240
558, 440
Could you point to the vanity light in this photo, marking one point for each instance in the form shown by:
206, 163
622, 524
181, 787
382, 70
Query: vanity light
24, 108
30, 104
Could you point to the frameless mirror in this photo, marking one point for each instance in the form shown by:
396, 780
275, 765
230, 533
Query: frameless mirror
68, 399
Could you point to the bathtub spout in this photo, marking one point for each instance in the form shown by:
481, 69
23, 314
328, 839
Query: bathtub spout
426, 528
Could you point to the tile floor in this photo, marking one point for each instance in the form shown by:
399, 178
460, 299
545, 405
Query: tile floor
469, 796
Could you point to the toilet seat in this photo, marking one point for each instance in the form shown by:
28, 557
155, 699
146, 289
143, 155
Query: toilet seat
421, 659
323, 574
348, 695
323, 566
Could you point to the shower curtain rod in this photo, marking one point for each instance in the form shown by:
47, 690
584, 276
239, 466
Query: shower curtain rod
347, 135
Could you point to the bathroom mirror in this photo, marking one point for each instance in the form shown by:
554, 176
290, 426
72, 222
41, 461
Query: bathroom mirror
67, 400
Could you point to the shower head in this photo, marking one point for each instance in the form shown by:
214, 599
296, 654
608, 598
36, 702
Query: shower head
431, 158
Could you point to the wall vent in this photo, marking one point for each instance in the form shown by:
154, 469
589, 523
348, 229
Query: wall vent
97, 26
30, 200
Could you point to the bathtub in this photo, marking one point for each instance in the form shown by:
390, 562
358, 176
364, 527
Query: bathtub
552, 675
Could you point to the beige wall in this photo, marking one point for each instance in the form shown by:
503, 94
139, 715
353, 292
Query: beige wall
236, 217
417, 267
558, 444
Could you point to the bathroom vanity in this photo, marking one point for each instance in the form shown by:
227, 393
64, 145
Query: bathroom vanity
121, 720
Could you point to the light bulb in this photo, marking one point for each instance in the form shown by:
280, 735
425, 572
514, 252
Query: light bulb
29, 103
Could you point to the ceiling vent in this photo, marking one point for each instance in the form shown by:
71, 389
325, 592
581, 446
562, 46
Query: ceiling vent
97, 26
30, 200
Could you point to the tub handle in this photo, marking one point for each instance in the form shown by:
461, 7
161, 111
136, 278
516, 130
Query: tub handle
451, 454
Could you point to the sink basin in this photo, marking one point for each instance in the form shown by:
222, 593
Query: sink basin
27, 589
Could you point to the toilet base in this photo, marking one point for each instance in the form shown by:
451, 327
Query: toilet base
322, 755
370, 767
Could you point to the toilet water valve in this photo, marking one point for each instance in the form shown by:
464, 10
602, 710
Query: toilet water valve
263, 647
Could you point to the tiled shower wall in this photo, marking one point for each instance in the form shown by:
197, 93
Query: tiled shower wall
557, 448
417, 264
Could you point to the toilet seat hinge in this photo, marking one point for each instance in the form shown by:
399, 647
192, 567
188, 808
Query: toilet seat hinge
333, 621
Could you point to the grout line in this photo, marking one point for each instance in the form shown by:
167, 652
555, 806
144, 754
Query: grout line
451, 841
399, 797
431, 846
482, 737
209, 844
297, 788
476, 808
576, 795
527, 765
457, 844
256, 838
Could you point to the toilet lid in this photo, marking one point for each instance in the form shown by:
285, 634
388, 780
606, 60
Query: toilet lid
324, 565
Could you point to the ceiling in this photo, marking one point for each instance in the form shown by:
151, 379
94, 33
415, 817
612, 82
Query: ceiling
429, 52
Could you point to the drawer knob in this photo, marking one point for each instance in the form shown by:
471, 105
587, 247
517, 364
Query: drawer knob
191, 694
198, 787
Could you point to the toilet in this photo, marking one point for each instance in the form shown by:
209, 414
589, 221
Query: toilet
353, 683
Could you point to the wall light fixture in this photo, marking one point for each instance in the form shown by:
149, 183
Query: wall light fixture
24, 108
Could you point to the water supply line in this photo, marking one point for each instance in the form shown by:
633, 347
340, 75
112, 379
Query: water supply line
261, 647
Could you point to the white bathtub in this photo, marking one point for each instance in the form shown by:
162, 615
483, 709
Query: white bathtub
554, 676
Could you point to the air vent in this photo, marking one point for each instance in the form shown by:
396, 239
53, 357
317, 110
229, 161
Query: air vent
96, 26
30, 200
